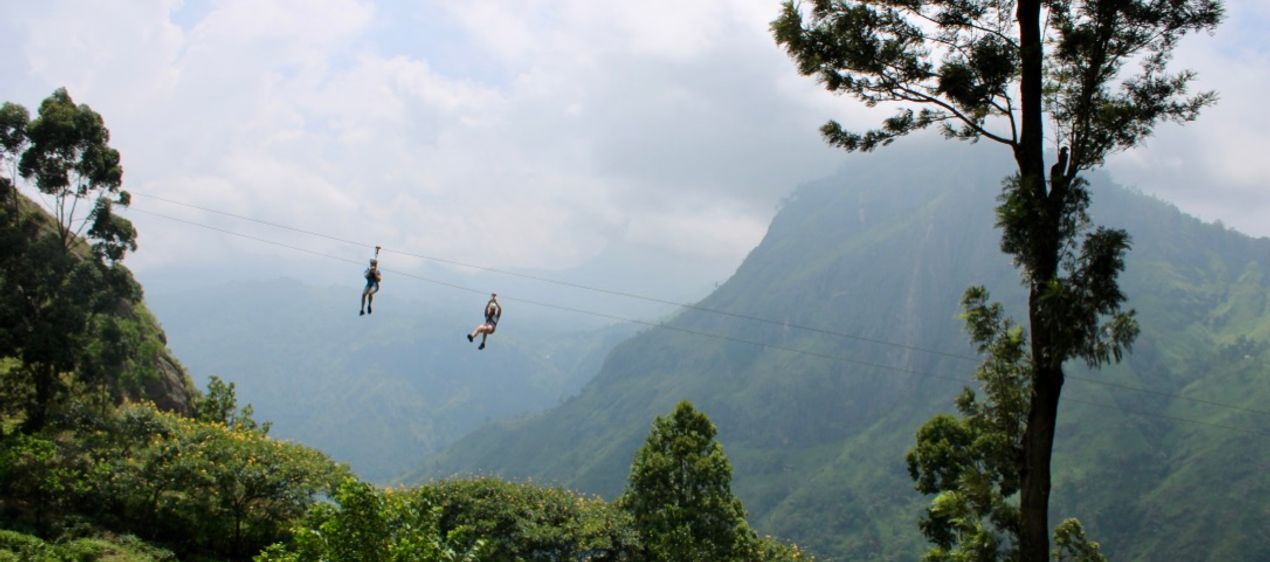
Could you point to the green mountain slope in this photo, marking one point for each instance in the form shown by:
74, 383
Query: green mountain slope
379, 392
884, 252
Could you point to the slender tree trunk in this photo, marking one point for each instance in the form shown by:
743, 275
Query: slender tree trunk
1038, 446
1042, 267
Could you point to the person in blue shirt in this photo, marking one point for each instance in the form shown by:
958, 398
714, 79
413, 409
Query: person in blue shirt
373, 277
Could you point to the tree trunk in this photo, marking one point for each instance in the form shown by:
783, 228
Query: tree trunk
1038, 446
1041, 267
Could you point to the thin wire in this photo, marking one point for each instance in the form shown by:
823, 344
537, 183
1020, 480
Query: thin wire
564, 307
1087, 380
706, 334
1168, 417
577, 285
1166, 394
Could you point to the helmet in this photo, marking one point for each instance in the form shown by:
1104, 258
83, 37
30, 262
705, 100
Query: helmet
374, 262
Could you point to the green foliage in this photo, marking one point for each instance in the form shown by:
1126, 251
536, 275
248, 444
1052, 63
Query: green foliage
222, 488
480, 519
970, 464
197, 486
1070, 544
770, 549
522, 521
218, 405
60, 301
680, 493
368, 525
17, 547
1082, 297
70, 159
13, 141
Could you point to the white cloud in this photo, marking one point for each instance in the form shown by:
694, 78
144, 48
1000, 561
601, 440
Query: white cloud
1216, 167
533, 133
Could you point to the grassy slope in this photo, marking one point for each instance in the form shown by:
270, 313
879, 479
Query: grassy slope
817, 445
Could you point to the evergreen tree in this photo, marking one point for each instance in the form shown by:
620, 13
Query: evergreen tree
680, 493
1000, 71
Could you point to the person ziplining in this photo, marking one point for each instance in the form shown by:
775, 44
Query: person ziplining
493, 311
373, 277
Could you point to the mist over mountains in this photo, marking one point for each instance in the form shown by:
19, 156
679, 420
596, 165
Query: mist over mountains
381, 391
816, 421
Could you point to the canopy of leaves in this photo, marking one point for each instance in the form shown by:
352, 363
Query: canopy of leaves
199, 487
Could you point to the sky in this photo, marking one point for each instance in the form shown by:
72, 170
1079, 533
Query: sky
534, 134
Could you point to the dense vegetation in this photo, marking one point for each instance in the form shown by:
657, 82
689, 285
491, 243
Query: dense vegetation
678, 507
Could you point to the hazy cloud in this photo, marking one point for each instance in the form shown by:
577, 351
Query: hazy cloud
533, 133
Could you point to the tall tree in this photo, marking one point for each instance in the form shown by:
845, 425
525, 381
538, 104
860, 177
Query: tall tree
57, 297
680, 493
70, 159
1001, 70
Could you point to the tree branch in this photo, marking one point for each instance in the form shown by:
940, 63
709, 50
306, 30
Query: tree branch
1010, 40
919, 97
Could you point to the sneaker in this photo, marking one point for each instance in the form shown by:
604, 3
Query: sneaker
470, 338
361, 313
370, 310
482, 346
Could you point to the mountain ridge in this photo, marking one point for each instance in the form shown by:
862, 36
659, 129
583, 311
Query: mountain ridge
818, 448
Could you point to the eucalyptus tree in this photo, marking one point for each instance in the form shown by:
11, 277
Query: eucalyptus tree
1081, 79
69, 158
63, 286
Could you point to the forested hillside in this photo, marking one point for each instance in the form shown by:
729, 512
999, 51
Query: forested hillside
883, 252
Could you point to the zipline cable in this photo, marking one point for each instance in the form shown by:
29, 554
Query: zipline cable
558, 306
664, 326
573, 285
1080, 378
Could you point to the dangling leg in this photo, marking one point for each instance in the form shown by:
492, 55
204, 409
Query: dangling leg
362, 311
486, 330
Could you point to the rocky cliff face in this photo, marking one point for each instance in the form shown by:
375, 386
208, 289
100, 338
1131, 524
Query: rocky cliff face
172, 390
